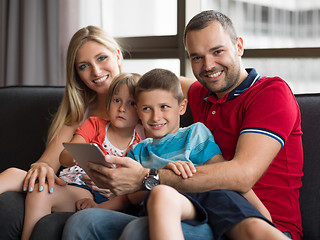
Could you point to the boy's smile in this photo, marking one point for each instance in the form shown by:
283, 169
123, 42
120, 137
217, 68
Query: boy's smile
159, 112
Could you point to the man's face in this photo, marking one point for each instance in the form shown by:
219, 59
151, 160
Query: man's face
215, 60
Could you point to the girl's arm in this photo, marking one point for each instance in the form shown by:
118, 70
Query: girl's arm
65, 158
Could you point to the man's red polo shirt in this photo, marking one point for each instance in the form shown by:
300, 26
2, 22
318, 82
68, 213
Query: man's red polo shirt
265, 106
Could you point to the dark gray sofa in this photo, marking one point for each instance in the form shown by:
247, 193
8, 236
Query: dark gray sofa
26, 112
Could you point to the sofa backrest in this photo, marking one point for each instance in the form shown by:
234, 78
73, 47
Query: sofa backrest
310, 191
25, 114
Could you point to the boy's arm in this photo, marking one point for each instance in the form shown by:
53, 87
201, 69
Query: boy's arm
65, 157
181, 168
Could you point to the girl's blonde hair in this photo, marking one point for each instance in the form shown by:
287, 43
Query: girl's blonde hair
77, 95
128, 79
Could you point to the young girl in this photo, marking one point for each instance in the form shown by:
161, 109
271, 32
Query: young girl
113, 137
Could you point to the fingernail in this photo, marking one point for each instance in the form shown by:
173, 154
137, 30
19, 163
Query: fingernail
80, 177
30, 189
51, 190
40, 189
25, 189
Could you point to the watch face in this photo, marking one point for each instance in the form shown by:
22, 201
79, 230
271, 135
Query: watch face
151, 182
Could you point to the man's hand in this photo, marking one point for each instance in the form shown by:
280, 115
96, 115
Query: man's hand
182, 168
126, 178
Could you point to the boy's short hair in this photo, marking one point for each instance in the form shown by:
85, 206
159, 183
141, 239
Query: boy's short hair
128, 79
160, 79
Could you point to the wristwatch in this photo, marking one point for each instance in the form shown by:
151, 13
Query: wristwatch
152, 179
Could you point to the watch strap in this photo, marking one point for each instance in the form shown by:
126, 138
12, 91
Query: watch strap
153, 172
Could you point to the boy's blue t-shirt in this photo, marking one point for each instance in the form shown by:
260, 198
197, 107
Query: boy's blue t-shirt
193, 144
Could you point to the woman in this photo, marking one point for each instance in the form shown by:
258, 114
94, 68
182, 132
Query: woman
93, 61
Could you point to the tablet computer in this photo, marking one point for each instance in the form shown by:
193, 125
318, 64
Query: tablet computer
87, 152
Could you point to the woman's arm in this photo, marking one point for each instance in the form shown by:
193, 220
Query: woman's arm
45, 169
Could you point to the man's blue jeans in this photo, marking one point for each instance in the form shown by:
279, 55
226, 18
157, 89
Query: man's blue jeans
97, 223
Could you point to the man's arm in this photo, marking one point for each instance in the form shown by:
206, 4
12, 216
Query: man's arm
185, 84
254, 153
179, 167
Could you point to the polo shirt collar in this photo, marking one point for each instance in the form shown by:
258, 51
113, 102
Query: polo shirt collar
251, 79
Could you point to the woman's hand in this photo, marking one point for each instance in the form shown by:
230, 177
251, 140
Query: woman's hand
127, 178
43, 174
85, 203
182, 168
106, 192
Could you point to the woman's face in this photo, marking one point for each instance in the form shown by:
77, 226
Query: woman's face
97, 66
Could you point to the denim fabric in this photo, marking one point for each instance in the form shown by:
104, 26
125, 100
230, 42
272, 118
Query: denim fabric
98, 223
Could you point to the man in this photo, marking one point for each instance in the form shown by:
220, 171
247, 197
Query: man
255, 121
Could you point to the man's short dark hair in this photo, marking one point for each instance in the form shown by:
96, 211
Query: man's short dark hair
204, 18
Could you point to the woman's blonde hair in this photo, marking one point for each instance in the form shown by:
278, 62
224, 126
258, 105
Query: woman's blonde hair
77, 95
